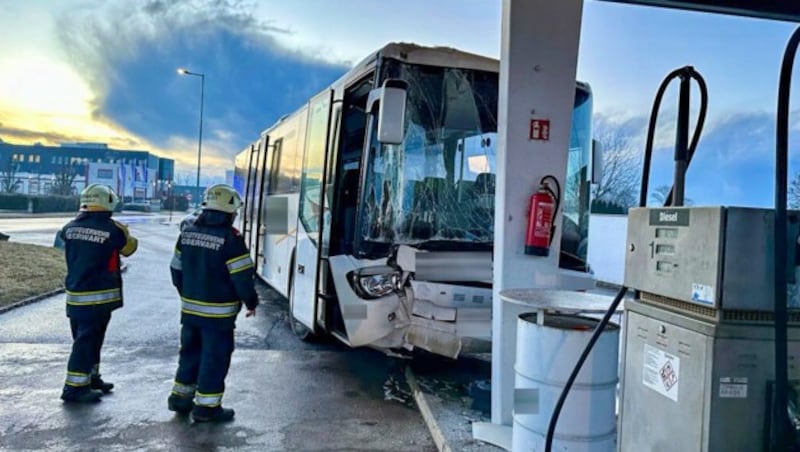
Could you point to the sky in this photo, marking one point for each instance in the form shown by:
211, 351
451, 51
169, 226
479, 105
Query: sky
105, 71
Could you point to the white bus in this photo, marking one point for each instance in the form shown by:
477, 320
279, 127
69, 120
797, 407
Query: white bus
371, 208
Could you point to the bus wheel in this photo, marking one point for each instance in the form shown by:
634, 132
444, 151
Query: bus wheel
301, 331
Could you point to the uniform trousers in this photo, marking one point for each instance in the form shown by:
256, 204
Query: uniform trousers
88, 335
204, 360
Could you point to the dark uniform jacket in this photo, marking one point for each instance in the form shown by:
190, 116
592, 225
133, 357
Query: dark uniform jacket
213, 272
93, 243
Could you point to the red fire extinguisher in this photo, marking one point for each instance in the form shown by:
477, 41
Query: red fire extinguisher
542, 211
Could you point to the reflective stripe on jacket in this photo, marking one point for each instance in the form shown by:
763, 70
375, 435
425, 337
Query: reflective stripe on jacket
213, 272
94, 298
93, 243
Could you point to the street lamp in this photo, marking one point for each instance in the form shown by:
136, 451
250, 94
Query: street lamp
183, 71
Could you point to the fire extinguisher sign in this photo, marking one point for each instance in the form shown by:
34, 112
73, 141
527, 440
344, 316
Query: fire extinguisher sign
540, 130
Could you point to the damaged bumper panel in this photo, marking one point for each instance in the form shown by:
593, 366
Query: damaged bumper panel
443, 315
435, 317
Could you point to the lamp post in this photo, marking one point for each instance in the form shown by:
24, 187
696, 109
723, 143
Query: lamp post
183, 71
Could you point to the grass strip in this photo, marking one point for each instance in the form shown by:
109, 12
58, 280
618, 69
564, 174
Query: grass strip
29, 270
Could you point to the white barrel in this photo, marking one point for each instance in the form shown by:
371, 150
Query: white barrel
546, 356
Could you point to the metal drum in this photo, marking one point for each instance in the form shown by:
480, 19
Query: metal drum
546, 355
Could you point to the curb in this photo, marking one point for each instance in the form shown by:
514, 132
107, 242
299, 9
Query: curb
35, 298
30, 300
427, 414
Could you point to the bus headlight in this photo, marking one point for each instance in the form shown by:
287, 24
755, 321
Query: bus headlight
375, 282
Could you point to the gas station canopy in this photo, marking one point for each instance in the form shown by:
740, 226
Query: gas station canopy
788, 10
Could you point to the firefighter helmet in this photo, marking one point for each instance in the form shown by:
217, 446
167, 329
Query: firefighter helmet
98, 198
221, 197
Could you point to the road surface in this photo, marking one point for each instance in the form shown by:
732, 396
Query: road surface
288, 395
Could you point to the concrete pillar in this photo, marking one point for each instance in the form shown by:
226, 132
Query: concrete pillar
539, 52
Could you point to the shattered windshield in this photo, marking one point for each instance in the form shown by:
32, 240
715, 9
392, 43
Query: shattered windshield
436, 189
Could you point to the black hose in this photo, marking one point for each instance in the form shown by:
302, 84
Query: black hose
651, 130
779, 416
701, 119
551, 429
685, 73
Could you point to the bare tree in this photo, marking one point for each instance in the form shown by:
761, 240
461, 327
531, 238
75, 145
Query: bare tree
621, 169
62, 182
793, 192
8, 177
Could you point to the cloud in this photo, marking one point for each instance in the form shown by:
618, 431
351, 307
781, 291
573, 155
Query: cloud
129, 56
16, 134
740, 136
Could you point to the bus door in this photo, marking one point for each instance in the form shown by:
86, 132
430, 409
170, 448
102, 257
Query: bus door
248, 212
313, 216
259, 228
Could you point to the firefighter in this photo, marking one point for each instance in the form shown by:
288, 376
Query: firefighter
213, 273
93, 243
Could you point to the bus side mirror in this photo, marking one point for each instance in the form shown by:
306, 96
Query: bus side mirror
597, 162
391, 99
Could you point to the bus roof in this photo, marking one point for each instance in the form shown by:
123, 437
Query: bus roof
414, 54
430, 56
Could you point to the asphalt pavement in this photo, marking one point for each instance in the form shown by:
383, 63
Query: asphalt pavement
288, 395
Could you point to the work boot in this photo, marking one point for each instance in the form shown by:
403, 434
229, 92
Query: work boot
99, 384
86, 395
180, 405
218, 414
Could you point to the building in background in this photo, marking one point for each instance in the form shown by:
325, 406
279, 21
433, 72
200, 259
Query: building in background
137, 176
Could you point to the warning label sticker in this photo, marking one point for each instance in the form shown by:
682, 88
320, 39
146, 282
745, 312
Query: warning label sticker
661, 372
733, 388
703, 293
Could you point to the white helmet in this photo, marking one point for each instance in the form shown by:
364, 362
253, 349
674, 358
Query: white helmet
221, 197
98, 198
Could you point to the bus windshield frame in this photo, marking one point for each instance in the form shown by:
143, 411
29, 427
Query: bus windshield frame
436, 189
411, 191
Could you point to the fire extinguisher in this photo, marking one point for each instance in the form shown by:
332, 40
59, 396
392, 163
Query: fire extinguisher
542, 211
